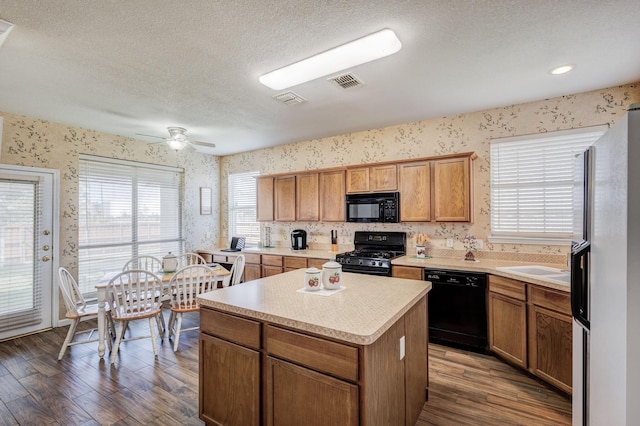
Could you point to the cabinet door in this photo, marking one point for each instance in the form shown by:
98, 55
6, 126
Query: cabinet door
307, 195
285, 198
264, 202
358, 180
251, 272
508, 328
229, 395
452, 190
415, 192
383, 178
296, 396
550, 346
268, 270
332, 202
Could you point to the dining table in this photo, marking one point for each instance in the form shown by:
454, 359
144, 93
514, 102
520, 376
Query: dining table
101, 288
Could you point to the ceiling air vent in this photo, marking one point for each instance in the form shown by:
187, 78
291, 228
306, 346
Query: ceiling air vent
346, 81
289, 98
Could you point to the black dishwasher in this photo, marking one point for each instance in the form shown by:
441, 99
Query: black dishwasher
458, 308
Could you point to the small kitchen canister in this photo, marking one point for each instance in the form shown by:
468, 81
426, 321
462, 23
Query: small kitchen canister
312, 279
169, 263
331, 275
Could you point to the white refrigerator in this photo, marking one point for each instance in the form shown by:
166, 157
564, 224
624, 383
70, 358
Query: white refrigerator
612, 388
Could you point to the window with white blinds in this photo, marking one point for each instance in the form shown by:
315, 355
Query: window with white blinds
126, 209
532, 185
242, 207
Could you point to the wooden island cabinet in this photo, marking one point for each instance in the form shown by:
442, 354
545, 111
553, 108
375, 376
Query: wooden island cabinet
263, 361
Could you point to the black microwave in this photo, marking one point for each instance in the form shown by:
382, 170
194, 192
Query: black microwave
376, 207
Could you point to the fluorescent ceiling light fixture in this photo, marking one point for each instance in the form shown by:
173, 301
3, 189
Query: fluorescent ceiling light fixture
5, 29
366, 49
562, 70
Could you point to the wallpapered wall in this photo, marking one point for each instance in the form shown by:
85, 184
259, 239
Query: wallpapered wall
454, 134
38, 143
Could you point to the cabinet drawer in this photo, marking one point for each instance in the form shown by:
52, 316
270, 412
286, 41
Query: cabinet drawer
410, 272
229, 327
316, 262
272, 260
218, 258
508, 287
551, 299
318, 354
295, 262
252, 258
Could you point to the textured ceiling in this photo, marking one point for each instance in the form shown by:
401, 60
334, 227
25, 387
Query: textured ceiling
139, 66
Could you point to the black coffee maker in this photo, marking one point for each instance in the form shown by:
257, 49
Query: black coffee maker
298, 239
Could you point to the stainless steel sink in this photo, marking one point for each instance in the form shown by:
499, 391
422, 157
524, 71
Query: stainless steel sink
558, 276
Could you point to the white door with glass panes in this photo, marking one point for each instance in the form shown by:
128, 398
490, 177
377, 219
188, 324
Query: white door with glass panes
27, 249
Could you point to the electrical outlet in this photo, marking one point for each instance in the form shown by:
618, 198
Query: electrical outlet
450, 242
402, 348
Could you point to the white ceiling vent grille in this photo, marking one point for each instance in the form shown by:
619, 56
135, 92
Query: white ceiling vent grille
346, 81
289, 98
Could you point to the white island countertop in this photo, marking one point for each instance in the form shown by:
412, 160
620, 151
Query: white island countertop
359, 314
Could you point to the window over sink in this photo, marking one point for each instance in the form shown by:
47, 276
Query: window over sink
532, 185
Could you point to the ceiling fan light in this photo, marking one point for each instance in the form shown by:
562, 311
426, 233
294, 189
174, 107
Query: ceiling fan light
177, 144
366, 49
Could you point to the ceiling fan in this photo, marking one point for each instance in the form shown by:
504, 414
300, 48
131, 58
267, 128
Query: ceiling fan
178, 139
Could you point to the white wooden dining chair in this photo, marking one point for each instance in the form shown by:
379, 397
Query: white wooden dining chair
187, 259
78, 310
186, 285
237, 269
145, 263
134, 295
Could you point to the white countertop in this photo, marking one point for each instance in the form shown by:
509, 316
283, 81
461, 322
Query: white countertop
359, 314
488, 266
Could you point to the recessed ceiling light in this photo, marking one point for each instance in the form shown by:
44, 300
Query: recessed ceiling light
562, 70
374, 46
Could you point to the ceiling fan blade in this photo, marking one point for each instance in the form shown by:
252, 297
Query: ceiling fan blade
204, 144
151, 136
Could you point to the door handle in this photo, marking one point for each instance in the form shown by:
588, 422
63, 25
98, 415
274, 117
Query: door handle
46, 258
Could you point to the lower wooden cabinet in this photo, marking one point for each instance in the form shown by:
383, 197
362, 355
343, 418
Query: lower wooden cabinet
530, 326
551, 337
507, 310
252, 372
296, 395
223, 399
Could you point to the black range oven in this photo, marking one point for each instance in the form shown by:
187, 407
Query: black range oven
373, 252
458, 308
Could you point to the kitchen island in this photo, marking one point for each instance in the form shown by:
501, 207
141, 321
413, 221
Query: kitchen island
271, 354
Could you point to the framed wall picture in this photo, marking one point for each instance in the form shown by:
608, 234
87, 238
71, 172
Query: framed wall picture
205, 200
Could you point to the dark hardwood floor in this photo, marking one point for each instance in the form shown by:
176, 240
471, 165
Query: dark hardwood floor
81, 389
466, 388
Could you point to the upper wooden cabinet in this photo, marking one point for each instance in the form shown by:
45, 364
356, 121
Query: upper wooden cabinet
452, 190
285, 198
415, 192
264, 191
332, 204
307, 197
378, 178
431, 189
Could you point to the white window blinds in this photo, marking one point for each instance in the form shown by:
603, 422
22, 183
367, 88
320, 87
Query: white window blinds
20, 285
242, 207
532, 185
126, 209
